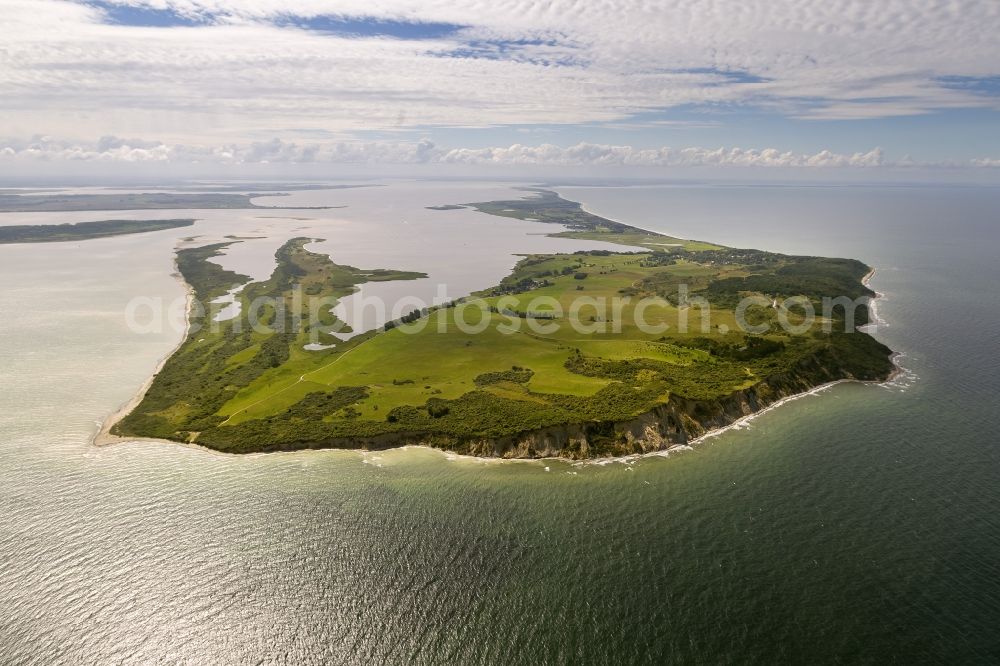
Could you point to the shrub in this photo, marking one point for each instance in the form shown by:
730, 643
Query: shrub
516, 374
437, 408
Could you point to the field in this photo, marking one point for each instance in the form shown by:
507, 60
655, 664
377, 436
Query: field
592, 337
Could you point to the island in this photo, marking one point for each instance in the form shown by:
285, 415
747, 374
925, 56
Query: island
498, 375
55, 233
36, 202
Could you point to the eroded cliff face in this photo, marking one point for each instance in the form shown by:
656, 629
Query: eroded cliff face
676, 422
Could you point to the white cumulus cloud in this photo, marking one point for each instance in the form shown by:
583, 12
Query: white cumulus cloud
277, 151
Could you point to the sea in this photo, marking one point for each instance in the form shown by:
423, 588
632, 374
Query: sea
856, 525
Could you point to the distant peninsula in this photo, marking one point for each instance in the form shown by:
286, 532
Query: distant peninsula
36, 202
542, 391
54, 233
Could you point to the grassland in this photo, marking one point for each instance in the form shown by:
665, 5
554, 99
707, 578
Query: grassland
54, 233
499, 374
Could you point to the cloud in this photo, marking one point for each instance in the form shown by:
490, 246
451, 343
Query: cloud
247, 69
588, 154
113, 149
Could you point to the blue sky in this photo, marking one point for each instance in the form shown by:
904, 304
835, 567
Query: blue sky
141, 15
770, 82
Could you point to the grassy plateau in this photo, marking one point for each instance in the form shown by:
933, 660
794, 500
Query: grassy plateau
499, 374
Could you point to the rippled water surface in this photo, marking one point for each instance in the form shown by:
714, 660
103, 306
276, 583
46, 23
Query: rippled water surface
857, 525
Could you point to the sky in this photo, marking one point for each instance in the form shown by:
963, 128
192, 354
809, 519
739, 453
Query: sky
871, 87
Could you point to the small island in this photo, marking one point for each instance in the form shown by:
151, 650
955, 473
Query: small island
46, 202
55, 233
546, 389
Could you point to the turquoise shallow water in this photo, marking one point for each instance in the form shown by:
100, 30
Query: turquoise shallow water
855, 526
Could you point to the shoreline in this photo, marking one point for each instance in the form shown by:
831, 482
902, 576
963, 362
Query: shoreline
583, 207
103, 437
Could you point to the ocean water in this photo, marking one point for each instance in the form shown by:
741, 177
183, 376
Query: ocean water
858, 525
